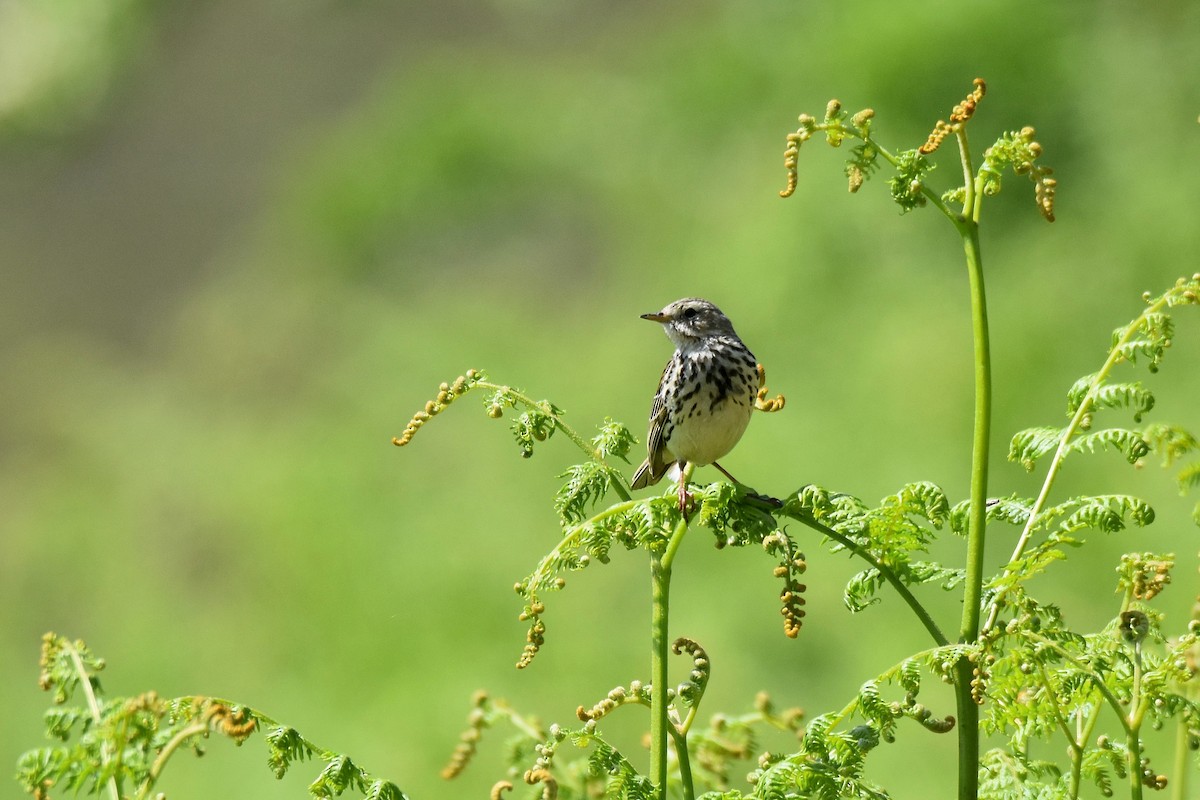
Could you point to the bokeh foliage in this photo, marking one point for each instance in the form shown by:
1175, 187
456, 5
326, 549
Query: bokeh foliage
217, 312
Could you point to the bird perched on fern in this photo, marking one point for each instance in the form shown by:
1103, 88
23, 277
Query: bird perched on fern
705, 396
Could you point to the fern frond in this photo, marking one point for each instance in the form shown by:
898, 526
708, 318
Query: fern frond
586, 485
1029, 445
614, 439
1128, 442
1108, 513
925, 499
1110, 395
911, 169
1013, 510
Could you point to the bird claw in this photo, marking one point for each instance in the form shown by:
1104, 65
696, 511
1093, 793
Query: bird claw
687, 501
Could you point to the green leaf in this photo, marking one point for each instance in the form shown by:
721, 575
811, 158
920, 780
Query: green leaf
384, 790
1013, 510
614, 439
1110, 395
285, 745
722, 512
340, 774
1189, 477
1031, 444
586, 485
911, 169
1108, 513
1128, 442
1152, 334
925, 499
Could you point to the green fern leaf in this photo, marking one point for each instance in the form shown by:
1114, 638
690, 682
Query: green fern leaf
586, 485
614, 439
1128, 442
1031, 444
1108, 513
1110, 395
925, 499
911, 169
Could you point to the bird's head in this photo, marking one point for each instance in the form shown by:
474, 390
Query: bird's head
691, 320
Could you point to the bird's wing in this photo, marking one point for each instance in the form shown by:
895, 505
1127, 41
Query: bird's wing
655, 465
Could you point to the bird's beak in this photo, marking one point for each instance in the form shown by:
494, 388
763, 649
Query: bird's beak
657, 316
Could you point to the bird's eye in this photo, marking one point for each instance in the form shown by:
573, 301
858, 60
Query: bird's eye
688, 313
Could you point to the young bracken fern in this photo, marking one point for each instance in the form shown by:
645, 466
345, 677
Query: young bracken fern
118, 747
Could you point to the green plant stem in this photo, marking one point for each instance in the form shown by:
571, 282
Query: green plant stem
854, 547
85, 681
1085, 728
1075, 744
660, 582
967, 224
1179, 780
620, 486
164, 755
679, 735
1133, 729
968, 710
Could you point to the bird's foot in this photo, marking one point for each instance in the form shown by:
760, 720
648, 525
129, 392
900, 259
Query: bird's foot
687, 502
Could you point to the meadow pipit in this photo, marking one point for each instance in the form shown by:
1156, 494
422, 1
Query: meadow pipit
705, 395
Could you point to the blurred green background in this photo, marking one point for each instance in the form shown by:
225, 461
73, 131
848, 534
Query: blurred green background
242, 242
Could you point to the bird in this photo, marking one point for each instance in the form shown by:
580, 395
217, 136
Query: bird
705, 396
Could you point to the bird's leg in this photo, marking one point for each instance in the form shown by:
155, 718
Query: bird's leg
735, 481
685, 499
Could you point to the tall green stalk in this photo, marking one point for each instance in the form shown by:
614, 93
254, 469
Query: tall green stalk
660, 582
968, 710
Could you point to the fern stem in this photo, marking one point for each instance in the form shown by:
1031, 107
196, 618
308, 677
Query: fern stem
971, 197
679, 735
931, 196
968, 710
619, 486
85, 682
1074, 741
164, 755
660, 582
1183, 754
888, 575
1133, 730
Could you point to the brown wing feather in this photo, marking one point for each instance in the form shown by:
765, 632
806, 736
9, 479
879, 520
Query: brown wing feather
655, 465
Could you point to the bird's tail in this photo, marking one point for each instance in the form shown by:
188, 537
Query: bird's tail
647, 475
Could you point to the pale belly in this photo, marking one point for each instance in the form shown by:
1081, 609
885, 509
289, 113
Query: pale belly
704, 439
